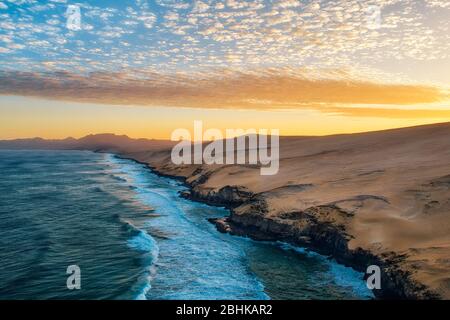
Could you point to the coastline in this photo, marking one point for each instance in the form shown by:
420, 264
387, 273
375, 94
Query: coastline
350, 279
320, 236
368, 198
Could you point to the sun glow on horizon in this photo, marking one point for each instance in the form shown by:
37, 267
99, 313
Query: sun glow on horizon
145, 68
31, 117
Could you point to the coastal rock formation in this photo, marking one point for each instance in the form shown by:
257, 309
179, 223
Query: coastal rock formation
318, 229
228, 196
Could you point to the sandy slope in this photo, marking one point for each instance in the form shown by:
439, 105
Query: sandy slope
393, 186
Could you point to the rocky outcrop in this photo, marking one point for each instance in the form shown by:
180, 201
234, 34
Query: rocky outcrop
314, 229
228, 196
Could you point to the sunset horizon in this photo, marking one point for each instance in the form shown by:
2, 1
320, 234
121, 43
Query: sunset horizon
349, 66
227, 155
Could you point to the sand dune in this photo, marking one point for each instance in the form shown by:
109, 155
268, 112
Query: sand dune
394, 185
379, 197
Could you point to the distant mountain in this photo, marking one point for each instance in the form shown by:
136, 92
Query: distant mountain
106, 142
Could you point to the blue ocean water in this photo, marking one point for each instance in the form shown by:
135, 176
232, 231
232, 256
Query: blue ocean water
133, 237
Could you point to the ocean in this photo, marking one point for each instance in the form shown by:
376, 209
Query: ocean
133, 237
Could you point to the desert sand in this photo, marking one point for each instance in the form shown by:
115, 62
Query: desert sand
370, 198
388, 190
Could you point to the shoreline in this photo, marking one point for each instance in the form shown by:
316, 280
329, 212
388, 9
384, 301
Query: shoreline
326, 240
275, 242
321, 237
367, 198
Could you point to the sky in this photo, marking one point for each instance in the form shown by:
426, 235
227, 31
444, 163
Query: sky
146, 68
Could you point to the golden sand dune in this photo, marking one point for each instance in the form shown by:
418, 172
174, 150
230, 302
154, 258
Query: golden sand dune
384, 197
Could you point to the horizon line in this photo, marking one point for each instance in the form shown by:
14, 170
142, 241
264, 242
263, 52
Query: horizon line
169, 140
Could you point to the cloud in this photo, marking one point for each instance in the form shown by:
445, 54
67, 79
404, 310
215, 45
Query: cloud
227, 54
267, 89
228, 33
